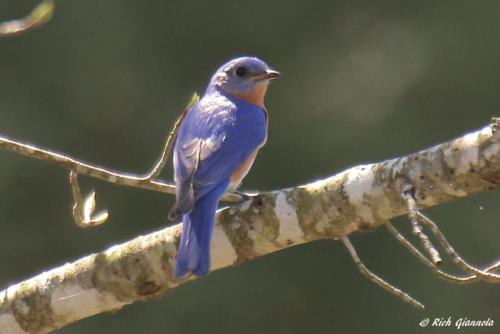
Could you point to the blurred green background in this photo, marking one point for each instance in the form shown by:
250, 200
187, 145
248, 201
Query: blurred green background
362, 81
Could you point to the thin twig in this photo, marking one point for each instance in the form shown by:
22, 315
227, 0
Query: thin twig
423, 259
40, 15
376, 279
156, 170
408, 194
83, 168
456, 258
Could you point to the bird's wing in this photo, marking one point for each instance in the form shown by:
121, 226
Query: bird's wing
217, 135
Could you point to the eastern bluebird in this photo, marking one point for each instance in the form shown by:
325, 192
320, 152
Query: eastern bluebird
216, 145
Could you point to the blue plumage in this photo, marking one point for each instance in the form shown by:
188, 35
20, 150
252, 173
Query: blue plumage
219, 134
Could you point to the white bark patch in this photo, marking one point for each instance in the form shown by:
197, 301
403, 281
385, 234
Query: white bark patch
464, 153
289, 228
8, 324
70, 302
223, 252
486, 132
360, 183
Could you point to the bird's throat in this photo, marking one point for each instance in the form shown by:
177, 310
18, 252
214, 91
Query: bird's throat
256, 96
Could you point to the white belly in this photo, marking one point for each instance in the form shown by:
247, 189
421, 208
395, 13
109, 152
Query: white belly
241, 171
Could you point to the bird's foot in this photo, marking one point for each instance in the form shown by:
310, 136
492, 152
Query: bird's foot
244, 197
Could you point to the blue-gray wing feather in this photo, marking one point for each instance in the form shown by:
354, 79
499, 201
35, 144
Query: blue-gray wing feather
217, 135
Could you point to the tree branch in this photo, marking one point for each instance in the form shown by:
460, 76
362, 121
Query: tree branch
359, 199
83, 168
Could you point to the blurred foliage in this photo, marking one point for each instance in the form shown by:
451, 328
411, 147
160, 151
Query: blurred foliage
362, 81
43, 12
40, 15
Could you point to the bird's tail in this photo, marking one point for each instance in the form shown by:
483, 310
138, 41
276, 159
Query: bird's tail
194, 250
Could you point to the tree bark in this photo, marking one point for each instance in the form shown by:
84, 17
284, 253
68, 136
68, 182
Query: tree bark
358, 199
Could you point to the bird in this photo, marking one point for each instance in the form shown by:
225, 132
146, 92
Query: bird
216, 145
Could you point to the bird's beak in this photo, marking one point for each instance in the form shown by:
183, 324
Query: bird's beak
267, 75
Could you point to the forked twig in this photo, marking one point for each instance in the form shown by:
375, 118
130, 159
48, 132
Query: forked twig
422, 258
376, 279
79, 167
456, 258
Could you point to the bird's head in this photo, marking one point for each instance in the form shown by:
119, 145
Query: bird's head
245, 78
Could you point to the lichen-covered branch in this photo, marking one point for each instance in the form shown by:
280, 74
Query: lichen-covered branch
358, 199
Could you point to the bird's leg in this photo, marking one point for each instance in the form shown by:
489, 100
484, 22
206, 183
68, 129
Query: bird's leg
378, 280
243, 197
238, 200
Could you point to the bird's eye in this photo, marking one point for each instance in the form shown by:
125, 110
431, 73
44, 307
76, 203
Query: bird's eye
240, 71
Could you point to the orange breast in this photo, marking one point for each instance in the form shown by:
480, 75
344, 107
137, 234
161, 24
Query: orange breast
256, 96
